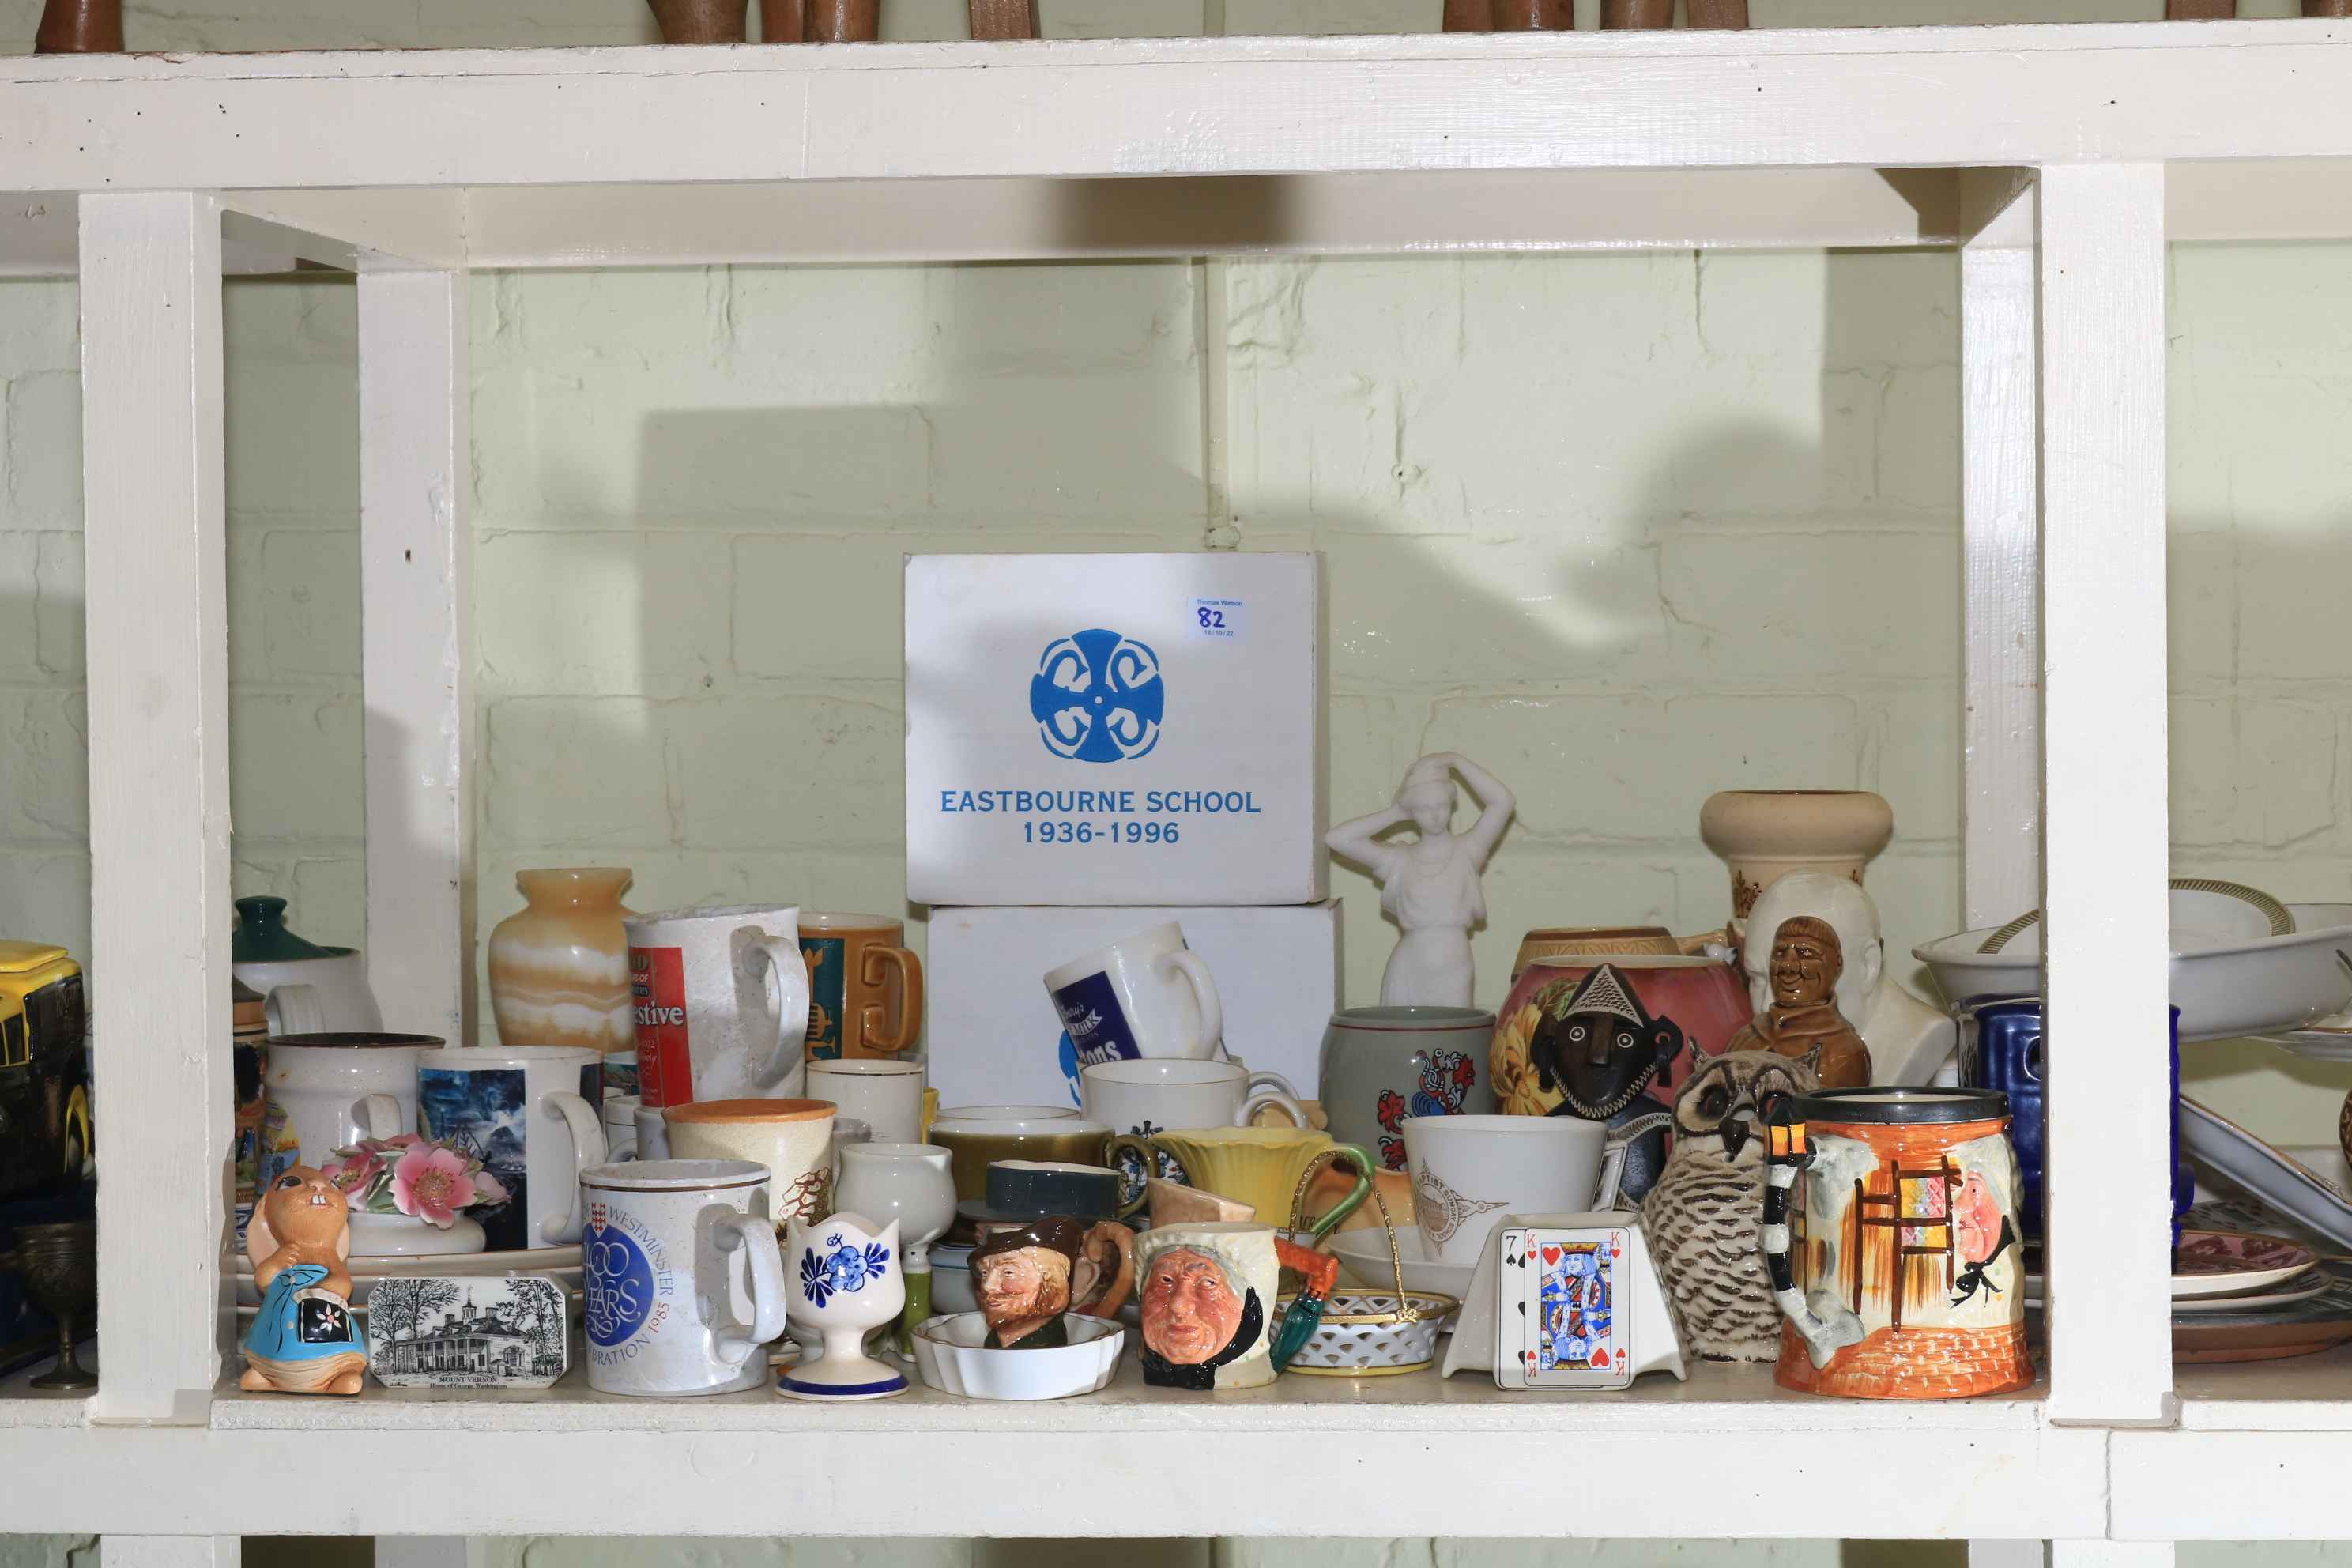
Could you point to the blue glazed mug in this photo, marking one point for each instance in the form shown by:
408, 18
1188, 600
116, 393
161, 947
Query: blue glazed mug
2001, 1049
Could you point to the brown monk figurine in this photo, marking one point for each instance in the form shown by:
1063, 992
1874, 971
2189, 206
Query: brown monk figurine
1805, 1016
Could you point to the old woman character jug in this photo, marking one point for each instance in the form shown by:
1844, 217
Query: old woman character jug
1429, 885
1206, 1296
1908, 1282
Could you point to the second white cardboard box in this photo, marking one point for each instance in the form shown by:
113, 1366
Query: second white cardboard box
1115, 730
994, 1038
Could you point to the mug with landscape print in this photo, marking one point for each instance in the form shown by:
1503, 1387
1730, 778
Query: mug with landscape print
865, 989
532, 1114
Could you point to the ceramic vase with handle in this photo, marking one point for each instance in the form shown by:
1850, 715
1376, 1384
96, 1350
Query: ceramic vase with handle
1383, 1066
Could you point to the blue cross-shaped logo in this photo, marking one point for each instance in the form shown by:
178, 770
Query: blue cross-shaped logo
1097, 696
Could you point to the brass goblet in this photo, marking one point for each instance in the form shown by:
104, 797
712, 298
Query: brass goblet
59, 1263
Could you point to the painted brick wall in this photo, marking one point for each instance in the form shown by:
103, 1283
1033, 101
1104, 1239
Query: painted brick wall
1626, 529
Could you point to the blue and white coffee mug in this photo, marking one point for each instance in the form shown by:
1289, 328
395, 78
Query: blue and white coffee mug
1144, 995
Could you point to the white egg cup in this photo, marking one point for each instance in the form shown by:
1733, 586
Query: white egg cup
843, 1278
912, 1184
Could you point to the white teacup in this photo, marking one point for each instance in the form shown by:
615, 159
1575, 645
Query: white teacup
887, 1096
1154, 1094
721, 1000
1470, 1171
1144, 995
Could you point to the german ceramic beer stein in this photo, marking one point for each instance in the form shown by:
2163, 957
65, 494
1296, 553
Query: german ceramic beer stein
1908, 1280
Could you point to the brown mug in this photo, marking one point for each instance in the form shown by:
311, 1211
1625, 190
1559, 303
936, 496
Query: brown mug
865, 989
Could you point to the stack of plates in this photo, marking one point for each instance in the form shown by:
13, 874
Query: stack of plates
560, 1264
2243, 1296
2240, 1295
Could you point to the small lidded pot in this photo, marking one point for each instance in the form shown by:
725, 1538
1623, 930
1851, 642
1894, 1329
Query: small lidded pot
1909, 1278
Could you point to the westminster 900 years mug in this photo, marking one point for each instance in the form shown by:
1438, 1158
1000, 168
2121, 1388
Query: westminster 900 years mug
670, 1246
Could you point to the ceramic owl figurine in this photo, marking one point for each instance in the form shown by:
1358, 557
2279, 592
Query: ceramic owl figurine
1702, 1215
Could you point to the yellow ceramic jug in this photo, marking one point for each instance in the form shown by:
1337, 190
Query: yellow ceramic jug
1259, 1166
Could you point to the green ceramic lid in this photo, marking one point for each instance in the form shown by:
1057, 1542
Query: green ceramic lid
262, 938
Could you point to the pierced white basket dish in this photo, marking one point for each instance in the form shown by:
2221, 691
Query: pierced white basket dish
1365, 1334
1368, 1333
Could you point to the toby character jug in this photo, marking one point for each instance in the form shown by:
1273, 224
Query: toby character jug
1905, 1279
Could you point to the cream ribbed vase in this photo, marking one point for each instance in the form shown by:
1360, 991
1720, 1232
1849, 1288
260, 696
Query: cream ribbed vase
559, 966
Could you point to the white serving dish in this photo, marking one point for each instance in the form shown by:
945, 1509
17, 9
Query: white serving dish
1363, 1257
2311, 1186
2225, 983
952, 1355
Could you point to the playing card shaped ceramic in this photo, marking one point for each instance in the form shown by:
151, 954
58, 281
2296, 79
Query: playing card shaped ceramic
843, 1278
1500, 1327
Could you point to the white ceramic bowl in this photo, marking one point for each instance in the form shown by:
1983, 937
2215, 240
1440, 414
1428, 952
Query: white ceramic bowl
2224, 984
1363, 1258
951, 1352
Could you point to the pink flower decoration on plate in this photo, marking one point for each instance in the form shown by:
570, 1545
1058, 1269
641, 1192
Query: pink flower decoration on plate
432, 1183
489, 1189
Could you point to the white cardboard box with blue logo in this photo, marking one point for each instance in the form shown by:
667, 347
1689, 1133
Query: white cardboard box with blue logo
1114, 728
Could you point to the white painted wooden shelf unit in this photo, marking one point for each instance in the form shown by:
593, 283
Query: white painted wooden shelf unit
2059, 161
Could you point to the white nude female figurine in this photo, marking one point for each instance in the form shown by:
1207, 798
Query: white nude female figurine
1429, 884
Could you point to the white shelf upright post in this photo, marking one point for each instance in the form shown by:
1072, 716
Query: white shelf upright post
159, 818
417, 646
2105, 848
2000, 795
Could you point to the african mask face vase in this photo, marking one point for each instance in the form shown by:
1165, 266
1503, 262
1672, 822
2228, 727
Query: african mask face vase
1206, 1294
843, 1278
1910, 1281
1609, 1040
